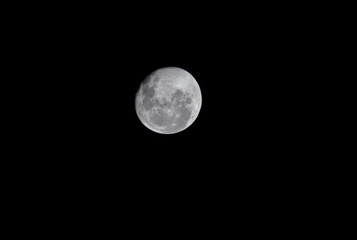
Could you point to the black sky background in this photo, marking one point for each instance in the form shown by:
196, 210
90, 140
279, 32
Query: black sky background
248, 68
246, 148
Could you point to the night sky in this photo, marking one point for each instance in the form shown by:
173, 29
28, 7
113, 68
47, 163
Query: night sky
247, 69
244, 146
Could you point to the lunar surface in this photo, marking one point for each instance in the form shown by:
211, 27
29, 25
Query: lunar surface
168, 100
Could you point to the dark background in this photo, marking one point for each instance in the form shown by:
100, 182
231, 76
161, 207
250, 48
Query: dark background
246, 150
248, 65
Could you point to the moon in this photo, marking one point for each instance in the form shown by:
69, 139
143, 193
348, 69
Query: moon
168, 100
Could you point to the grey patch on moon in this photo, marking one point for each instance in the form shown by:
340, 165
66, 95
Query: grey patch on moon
160, 118
181, 120
149, 93
168, 101
188, 100
177, 95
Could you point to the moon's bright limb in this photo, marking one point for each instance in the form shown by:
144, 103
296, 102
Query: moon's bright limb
168, 100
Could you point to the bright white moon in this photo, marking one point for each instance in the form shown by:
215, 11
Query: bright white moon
168, 100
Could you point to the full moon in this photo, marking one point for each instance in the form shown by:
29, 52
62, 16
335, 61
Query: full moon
168, 100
